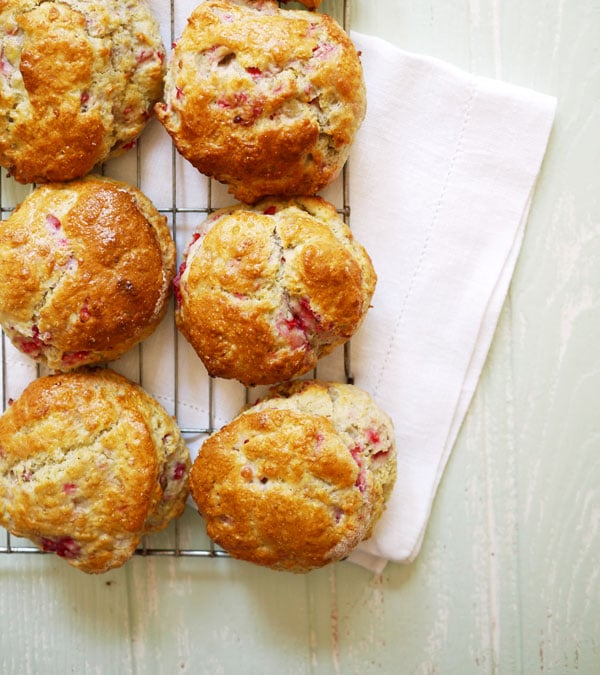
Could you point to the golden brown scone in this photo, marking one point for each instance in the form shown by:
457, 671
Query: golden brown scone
89, 463
299, 479
266, 100
85, 271
78, 80
265, 291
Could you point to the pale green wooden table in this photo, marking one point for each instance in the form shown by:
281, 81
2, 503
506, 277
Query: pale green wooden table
508, 580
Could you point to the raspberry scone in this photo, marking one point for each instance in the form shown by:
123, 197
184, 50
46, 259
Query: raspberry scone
85, 271
89, 463
265, 100
265, 291
78, 82
299, 479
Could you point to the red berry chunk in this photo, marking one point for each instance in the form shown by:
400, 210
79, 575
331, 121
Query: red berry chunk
361, 481
6, 67
303, 317
73, 358
65, 547
31, 346
322, 51
179, 471
356, 452
145, 55
177, 283
373, 436
52, 222
233, 101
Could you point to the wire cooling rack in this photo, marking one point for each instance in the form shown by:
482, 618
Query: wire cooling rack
165, 364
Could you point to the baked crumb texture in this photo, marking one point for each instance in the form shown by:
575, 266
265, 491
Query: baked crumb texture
78, 81
263, 292
266, 100
89, 463
299, 479
85, 271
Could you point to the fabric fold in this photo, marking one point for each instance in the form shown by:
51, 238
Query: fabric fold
441, 178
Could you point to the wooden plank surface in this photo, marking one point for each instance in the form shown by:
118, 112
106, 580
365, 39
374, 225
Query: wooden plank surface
508, 577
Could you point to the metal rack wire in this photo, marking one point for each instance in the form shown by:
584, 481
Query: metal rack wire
184, 536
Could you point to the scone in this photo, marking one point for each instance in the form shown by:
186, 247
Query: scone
78, 81
89, 463
298, 480
85, 271
265, 291
266, 100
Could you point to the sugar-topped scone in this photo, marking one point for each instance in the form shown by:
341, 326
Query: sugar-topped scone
89, 463
299, 479
78, 81
266, 100
265, 291
85, 271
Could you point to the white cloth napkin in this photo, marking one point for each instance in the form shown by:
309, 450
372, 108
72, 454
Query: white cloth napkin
441, 178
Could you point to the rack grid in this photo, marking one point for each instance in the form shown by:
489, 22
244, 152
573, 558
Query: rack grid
207, 403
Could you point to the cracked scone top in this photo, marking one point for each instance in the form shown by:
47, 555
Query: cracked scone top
89, 463
78, 80
266, 100
85, 271
265, 291
299, 479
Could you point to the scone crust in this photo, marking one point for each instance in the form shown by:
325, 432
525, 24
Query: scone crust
298, 480
266, 100
78, 81
85, 271
265, 291
89, 463
362, 425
